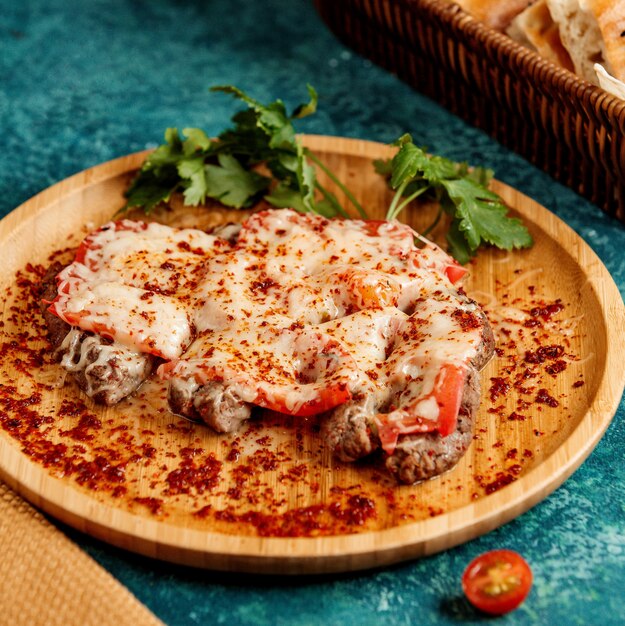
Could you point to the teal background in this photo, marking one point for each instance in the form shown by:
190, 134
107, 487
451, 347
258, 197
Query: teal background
84, 82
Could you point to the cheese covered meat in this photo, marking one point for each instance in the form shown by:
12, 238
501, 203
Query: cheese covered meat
123, 304
347, 319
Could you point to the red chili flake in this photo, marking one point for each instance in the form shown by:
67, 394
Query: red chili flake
305, 521
466, 319
500, 387
526, 374
516, 417
556, 367
234, 493
358, 510
532, 323
204, 512
544, 398
501, 481
71, 408
578, 383
544, 353
191, 477
295, 473
435, 511
512, 453
84, 430
155, 505
234, 453
524, 390
148, 451
547, 311
184, 245
266, 460
263, 285
99, 472
189, 453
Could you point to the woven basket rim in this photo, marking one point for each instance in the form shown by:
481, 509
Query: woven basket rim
607, 105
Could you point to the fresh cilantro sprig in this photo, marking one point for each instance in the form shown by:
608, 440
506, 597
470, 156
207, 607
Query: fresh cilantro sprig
226, 168
260, 156
478, 215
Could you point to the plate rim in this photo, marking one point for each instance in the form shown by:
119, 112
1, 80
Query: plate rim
275, 555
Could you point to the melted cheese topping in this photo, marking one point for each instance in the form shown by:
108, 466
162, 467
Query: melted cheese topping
101, 375
381, 310
300, 315
134, 282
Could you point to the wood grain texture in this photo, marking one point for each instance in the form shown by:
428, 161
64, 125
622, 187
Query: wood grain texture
512, 464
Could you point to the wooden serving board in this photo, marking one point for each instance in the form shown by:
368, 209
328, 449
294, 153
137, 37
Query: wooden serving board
271, 498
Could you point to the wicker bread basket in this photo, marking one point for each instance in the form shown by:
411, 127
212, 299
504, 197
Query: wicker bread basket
563, 124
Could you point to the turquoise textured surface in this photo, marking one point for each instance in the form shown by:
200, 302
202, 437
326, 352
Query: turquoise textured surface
84, 82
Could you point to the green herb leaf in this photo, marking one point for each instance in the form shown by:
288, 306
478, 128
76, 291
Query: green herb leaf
271, 118
478, 215
458, 247
188, 167
384, 167
483, 217
196, 141
304, 110
285, 197
225, 168
231, 184
407, 163
149, 190
196, 188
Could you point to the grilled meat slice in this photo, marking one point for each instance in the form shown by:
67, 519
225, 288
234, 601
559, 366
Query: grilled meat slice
424, 455
213, 403
351, 434
103, 369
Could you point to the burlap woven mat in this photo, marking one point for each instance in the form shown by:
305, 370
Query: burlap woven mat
47, 580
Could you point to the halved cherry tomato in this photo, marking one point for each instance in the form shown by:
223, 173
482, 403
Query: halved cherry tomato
497, 582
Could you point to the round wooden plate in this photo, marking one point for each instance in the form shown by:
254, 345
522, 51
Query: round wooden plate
271, 499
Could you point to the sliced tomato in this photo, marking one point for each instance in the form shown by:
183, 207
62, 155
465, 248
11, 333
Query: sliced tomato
405, 420
388, 433
372, 227
291, 398
497, 582
312, 375
89, 244
448, 390
454, 271
326, 398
